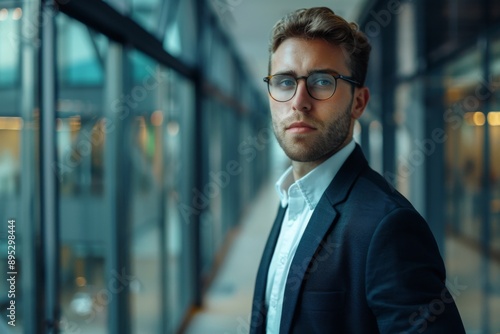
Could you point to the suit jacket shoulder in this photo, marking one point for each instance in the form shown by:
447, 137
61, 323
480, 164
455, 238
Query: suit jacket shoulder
367, 263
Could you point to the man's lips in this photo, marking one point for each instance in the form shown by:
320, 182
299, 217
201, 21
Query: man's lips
300, 127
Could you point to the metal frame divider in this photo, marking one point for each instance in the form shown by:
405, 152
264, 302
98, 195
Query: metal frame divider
29, 210
116, 190
198, 142
434, 188
48, 183
388, 100
485, 234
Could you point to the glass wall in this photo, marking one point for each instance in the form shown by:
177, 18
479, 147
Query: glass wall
465, 129
179, 134
181, 38
19, 178
446, 123
464, 120
132, 168
208, 197
145, 160
411, 149
83, 174
232, 118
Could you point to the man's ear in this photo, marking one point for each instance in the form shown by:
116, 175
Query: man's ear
360, 100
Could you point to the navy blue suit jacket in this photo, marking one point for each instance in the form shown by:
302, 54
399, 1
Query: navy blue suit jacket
367, 263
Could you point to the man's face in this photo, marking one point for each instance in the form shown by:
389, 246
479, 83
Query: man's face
310, 130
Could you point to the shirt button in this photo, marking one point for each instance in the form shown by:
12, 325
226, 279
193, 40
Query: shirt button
283, 259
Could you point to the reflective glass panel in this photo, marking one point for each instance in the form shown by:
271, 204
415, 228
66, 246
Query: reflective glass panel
10, 37
472, 273
180, 35
18, 166
81, 135
181, 201
412, 148
211, 208
146, 180
81, 55
147, 13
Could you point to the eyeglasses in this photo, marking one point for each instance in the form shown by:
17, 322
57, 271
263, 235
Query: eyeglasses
319, 85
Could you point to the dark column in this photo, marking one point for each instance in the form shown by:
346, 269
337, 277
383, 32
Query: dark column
388, 79
435, 194
49, 294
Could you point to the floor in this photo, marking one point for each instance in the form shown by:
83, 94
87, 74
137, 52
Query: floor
475, 281
227, 304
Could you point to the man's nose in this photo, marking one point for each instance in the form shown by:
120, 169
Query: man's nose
302, 99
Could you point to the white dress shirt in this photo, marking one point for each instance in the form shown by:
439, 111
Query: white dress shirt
301, 196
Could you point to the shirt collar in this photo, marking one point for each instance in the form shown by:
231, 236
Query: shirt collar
313, 184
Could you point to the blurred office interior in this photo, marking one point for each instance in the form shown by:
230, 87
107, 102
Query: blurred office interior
135, 136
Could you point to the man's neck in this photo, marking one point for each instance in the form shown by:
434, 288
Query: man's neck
300, 169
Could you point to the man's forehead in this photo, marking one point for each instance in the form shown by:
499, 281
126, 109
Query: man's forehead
312, 54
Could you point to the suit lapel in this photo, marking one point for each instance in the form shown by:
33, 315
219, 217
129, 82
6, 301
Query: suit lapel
322, 220
259, 312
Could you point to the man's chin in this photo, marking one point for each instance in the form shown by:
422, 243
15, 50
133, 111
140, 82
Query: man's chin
300, 156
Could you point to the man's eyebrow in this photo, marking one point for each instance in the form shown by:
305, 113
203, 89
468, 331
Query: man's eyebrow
289, 72
323, 70
318, 70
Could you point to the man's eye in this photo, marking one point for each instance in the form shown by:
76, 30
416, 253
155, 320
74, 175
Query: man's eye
286, 82
323, 82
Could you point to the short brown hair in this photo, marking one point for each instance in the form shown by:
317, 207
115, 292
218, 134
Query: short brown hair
323, 23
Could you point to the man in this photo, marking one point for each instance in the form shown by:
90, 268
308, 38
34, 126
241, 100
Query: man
347, 253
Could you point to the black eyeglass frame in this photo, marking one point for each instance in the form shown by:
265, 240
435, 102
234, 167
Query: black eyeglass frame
336, 77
